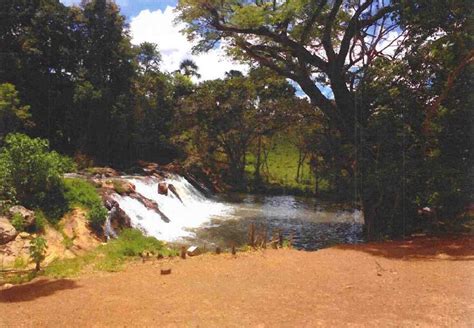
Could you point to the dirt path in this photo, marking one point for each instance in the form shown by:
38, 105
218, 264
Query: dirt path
425, 282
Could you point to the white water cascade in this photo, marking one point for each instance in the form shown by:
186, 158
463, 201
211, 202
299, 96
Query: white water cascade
194, 210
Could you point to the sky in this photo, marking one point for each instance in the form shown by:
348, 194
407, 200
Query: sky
152, 21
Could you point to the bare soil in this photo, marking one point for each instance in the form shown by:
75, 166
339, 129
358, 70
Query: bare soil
425, 282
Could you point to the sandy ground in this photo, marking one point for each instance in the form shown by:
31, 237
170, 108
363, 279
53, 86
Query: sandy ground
427, 282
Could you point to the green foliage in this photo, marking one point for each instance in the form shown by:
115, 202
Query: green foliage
119, 187
38, 248
222, 118
20, 263
12, 115
281, 165
40, 221
97, 215
131, 243
62, 268
83, 194
18, 222
21, 278
31, 174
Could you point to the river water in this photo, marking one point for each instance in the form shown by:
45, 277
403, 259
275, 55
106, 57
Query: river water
226, 220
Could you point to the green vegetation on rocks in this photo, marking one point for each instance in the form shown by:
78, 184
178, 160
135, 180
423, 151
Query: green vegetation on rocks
111, 256
81, 193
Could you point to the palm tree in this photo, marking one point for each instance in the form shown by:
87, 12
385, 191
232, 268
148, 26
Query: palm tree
189, 68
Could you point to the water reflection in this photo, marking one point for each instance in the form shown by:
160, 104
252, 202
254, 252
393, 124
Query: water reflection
310, 223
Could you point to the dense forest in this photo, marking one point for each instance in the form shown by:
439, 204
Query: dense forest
374, 95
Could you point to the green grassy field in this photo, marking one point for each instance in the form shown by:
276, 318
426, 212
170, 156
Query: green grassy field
282, 167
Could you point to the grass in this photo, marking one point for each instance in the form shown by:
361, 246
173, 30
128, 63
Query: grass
283, 165
80, 193
111, 256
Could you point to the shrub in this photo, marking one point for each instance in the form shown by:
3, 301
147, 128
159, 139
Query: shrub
81, 193
96, 216
18, 222
40, 221
38, 248
30, 174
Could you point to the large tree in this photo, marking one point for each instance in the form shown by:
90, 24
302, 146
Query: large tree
316, 43
329, 48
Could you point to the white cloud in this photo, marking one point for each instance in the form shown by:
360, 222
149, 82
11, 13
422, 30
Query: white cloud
121, 3
158, 27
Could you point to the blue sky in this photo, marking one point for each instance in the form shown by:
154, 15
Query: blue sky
131, 8
153, 21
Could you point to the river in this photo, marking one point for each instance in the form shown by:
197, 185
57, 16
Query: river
226, 220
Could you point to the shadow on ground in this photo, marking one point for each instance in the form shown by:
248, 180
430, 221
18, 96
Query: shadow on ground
35, 290
445, 247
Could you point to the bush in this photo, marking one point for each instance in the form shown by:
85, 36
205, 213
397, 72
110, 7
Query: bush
96, 216
18, 222
83, 194
40, 221
38, 248
30, 174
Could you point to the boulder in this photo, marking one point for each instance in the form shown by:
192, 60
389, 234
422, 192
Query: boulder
172, 188
16, 248
75, 227
163, 188
121, 187
120, 220
28, 215
25, 235
7, 231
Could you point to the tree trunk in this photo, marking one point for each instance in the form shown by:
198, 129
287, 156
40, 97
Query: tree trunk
369, 211
258, 164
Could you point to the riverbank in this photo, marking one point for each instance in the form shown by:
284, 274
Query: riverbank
423, 282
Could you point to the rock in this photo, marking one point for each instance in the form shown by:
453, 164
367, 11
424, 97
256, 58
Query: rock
16, 248
56, 246
76, 228
163, 188
123, 187
105, 172
193, 251
25, 235
120, 221
28, 216
7, 231
165, 271
172, 188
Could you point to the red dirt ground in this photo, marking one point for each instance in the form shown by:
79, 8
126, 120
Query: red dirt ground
426, 282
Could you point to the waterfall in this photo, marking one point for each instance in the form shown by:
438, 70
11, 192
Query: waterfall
191, 211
